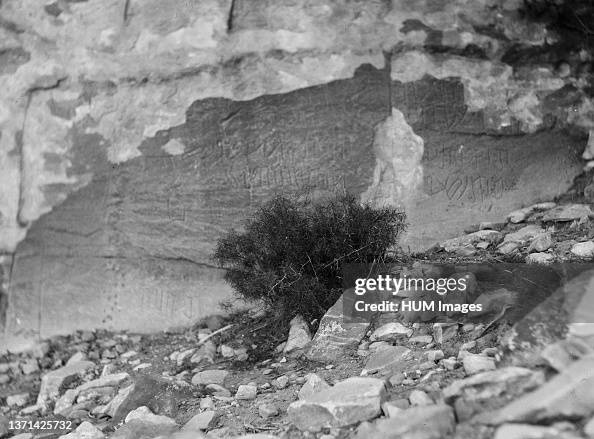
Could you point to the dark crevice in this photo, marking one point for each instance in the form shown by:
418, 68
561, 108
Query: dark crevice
230, 17
126, 11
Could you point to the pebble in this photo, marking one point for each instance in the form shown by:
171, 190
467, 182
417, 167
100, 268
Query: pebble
281, 382
418, 397
30, 366
477, 363
246, 392
207, 403
215, 376
583, 249
18, 400
267, 410
201, 421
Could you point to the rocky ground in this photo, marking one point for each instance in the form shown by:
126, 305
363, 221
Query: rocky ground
506, 375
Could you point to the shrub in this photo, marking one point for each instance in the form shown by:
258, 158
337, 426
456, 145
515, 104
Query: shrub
291, 252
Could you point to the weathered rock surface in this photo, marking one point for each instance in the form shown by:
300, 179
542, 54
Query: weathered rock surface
387, 359
53, 382
568, 395
427, 422
174, 121
347, 402
299, 335
336, 335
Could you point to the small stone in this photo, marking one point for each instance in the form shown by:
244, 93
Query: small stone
267, 410
218, 390
540, 258
386, 359
477, 363
128, 354
541, 243
314, 384
421, 339
30, 366
201, 421
468, 346
435, 355
418, 397
142, 366
483, 245
85, 430
397, 379
215, 376
77, 357
449, 363
395, 406
144, 414
444, 332
507, 248
227, 351
18, 400
391, 332
524, 235
520, 215
207, 352
65, 402
207, 403
583, 249
246, 392
299, 335
281, 382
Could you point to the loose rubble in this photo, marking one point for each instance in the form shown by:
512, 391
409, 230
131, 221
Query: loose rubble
480, 376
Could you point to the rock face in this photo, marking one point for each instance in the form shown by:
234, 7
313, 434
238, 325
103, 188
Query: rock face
566, 396
122, 165
347, 402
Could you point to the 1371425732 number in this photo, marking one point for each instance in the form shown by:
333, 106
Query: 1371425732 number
45, 425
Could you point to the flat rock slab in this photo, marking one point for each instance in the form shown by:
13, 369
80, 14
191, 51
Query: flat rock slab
387, 360
425, 422
347, 402
568, 395
336, 336
159, 395
53, 382
568, 306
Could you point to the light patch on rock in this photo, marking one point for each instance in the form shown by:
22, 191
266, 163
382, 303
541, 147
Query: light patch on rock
174, 147
398, 172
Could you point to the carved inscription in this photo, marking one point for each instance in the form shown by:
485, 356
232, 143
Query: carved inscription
469, 173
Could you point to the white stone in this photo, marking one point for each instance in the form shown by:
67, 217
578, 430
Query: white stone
477, 363
583, 249
391, 331
299, 335
246, 392
144, 414
85, 430
347, 402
